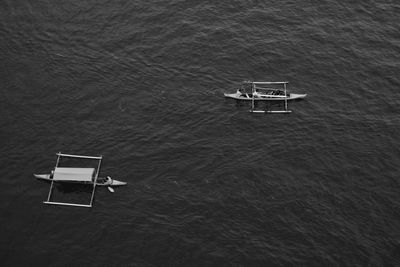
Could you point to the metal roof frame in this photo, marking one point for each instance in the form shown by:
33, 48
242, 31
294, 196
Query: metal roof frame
59, 155
253, 89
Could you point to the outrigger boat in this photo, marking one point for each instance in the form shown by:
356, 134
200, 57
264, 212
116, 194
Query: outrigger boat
263, 91
77, 176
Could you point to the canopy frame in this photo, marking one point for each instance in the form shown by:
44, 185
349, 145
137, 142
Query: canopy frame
59, 156
253, 90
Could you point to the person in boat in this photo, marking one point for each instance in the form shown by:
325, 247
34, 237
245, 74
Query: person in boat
242, 92
103, 180
256, 94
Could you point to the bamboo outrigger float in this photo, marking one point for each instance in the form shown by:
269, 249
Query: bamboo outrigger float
77, 175
262, 91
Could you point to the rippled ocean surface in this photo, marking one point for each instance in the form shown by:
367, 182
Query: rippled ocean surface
210, 184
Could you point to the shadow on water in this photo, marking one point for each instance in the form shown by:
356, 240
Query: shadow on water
70, 187
67, 188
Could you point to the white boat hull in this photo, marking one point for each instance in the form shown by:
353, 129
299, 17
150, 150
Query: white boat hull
248, 97
108, 181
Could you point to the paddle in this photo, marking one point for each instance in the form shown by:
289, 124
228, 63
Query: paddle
109, 187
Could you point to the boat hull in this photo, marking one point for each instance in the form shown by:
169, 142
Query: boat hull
108, 181
248, 97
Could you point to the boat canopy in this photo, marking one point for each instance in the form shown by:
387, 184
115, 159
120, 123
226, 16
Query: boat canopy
73, 174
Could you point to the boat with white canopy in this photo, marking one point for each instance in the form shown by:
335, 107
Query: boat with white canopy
265, 91
78, 175
89, 176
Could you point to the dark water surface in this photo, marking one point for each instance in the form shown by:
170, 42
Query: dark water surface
142, 83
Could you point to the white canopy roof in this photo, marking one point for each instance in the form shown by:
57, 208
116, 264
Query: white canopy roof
73, 174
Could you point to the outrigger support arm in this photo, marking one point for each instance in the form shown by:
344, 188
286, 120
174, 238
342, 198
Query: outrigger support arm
67, 204
284, 85
78, 156
95, 182
253, 90
270, 82
52, 181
